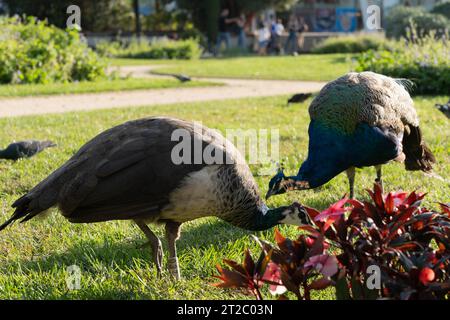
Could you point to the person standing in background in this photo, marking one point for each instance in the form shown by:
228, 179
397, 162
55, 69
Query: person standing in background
278, 34
271, 25
302, 28
263, 34
224, 33
292, 40
240, 22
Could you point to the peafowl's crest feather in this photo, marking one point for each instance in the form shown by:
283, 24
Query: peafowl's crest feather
405, 83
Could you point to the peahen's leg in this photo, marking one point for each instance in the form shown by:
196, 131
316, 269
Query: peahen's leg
351, 180
154, 242
172, 235
378, 179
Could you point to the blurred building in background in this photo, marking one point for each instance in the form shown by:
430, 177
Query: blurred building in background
346, 15
180, 19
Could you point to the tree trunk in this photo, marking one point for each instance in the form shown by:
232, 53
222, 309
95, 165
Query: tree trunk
212, 11
137, 17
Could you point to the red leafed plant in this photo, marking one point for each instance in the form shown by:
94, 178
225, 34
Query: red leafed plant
390, 247
290, 266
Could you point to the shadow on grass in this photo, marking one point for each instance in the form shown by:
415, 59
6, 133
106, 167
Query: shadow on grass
341, 59
122, 254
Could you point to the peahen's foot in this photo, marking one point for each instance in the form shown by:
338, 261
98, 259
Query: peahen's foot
172, 234
157, 253
174, 268
154, 243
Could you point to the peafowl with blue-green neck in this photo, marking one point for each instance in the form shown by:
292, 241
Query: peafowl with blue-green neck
359, 120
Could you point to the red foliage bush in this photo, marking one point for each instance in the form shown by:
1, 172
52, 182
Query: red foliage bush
390, 248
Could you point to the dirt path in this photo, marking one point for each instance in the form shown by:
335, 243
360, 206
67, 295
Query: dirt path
233, 89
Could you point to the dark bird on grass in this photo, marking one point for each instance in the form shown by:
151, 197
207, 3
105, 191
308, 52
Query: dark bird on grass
359, 120
180, 77
144, 171
299, 98
444, 108
24, 149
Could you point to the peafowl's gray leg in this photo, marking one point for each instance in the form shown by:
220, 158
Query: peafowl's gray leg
154, 242
378, 179
351, 180
172, 235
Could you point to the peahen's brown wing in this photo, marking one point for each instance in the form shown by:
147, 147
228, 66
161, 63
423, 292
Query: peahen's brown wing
129, 172
123, 173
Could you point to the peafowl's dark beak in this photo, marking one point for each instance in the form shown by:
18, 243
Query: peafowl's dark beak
269, 194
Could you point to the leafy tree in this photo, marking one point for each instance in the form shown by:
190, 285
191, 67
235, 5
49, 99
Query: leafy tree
252, 6
137, 17
99, 15
442, 8
400, 19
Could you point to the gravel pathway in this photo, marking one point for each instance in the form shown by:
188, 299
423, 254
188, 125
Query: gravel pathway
233, 89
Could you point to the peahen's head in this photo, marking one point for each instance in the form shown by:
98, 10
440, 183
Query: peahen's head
296, 215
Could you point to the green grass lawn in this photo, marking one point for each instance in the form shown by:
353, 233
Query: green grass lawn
34, 255
22, 90
311, 67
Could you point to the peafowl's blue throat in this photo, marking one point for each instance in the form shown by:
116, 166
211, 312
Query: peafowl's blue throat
332, 151
4, 154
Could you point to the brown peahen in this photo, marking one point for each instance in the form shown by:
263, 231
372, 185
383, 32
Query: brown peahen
133, 172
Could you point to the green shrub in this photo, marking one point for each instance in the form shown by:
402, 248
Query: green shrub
442, 8
34, 52
351, 44
165, 49
425, 61
400, 18
96, 16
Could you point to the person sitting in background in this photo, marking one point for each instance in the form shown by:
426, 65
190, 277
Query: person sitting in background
263, 35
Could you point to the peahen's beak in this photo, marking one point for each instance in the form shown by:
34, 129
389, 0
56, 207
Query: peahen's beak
269, 194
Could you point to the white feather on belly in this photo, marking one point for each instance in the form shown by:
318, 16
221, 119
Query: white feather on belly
195, 197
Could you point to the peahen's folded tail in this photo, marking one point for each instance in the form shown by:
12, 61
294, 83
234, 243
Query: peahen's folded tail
418, 155
24, 210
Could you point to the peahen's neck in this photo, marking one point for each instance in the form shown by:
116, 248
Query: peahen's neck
260, 218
